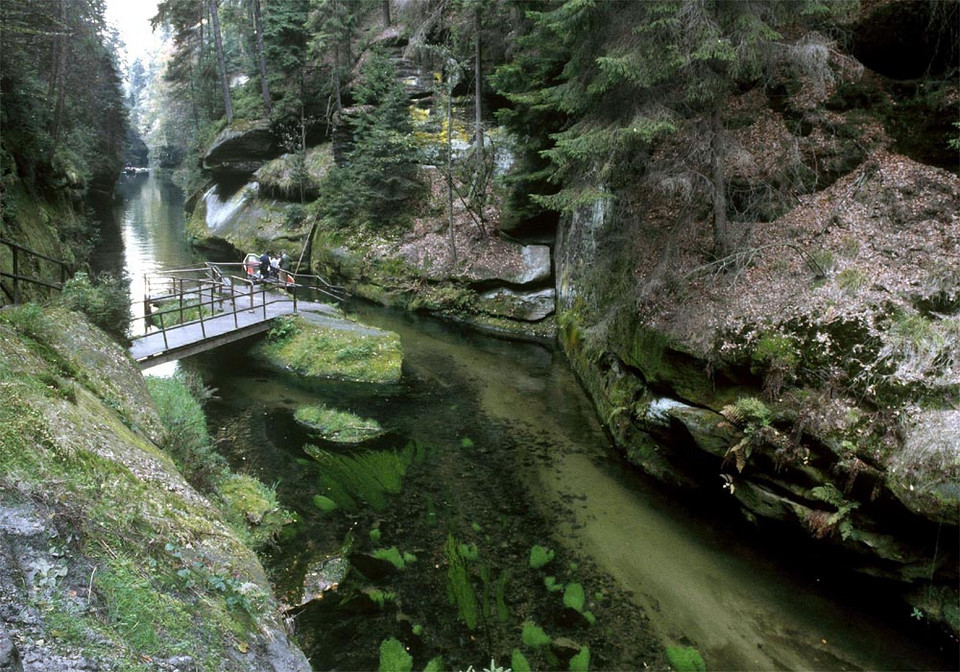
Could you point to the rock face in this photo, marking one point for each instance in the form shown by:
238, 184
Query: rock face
804, 400
241, 149
99, 521
527, 306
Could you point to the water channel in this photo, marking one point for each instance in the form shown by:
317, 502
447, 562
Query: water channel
510, 455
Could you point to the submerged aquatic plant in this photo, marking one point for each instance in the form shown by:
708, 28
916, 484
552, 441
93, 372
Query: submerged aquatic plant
574, 597
581, 661
394, 656
368, 477
460, 590
540, 556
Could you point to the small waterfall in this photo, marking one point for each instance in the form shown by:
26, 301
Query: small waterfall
220, 213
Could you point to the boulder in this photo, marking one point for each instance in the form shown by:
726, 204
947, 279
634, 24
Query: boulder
527, 306
523, 265
241, 149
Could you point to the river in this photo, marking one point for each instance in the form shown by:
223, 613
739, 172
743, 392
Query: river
514, 457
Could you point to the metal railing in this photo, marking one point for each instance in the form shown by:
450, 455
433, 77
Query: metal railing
14, 293
210, 288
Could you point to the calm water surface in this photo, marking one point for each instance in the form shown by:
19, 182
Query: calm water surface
701, 578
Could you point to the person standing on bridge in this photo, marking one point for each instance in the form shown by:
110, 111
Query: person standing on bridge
264, 266
284, 266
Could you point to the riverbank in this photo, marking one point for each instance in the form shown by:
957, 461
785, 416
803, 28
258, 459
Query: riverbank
109, 556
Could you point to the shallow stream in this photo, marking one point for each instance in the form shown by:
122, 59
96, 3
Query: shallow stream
509, 455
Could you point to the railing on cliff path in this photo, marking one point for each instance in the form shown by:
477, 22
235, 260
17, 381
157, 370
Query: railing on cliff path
17, 274
194, 309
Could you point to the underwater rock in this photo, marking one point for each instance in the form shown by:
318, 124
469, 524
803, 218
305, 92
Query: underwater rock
323, 576
375, 569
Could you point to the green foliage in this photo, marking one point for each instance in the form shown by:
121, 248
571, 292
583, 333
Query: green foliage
106, 301
540, 556
460, 591
283, 329
394, 656
379, 172
775, 350
186, 438
753, 412
62, 107
685, 659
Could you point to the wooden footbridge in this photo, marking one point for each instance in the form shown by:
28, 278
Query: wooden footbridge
191, 310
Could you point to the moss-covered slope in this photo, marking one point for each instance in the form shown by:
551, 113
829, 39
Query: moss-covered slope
109, 555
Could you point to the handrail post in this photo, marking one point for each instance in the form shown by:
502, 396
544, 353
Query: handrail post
16, 277
179, 282
264, 297
293, 292
203, 329
233, 300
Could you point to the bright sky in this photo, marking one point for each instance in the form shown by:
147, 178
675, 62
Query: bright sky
132, 19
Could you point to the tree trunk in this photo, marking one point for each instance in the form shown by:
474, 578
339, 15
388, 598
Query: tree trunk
453, 243
59, 81
261, 61
385, 6
478, 84
722, 245
221, 62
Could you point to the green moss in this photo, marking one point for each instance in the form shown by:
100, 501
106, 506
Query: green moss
84, 454
348, 353
336, 425
252, 509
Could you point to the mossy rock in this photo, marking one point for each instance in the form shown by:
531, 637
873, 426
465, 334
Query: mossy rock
317, 347
337, 426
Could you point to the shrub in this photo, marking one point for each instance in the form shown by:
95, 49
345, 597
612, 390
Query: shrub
105, 300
